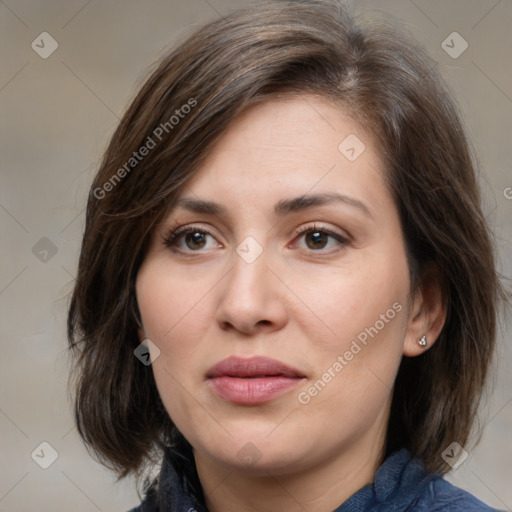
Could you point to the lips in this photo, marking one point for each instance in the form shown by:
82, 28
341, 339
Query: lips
252, 381
252, 367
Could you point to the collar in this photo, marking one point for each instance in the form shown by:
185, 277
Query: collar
397, 483
179, 487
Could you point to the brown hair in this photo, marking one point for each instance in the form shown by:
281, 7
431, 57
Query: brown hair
391, 88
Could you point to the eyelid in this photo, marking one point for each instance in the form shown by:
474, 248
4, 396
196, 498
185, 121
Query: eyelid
324, 228
172, 234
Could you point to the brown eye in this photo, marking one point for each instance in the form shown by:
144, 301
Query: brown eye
316, 239
320, 239
189, 239
195, 240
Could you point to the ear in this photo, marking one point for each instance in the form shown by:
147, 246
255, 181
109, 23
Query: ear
427, 314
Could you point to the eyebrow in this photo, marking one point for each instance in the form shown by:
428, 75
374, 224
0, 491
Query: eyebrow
283, 207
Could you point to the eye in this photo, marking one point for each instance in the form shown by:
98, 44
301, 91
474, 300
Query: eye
318, 238
195, 239
189, 239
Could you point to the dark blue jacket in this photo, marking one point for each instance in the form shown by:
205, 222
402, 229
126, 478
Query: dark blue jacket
400, 484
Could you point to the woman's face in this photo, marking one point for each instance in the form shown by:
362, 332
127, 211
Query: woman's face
295, 254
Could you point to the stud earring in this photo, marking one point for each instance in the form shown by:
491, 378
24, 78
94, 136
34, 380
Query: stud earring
422, 342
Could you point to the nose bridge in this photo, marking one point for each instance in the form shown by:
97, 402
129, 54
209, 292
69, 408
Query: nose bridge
249, 274
251, 295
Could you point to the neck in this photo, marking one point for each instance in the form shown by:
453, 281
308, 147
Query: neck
319, 488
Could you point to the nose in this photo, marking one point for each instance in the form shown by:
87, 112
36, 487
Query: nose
252, 298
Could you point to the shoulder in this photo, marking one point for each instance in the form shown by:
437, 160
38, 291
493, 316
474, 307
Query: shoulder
441, 496
402, 484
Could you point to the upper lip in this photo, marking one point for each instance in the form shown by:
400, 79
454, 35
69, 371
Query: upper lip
256, 366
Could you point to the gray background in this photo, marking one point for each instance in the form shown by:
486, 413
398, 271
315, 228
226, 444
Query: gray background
56, 117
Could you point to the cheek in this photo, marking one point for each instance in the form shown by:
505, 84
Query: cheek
172, 321
355, 371
346, 302
176, 310
172, 308
363, 316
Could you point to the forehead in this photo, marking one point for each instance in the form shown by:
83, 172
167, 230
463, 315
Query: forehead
305, 128
298, 145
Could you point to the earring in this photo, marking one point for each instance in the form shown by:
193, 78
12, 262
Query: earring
422, 342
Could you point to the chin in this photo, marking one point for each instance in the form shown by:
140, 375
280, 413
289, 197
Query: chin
260, 454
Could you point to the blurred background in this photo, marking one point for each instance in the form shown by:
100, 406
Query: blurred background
68, 70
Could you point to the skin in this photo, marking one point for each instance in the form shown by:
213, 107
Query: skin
302, 301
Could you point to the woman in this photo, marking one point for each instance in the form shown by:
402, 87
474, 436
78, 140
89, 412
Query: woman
286, 286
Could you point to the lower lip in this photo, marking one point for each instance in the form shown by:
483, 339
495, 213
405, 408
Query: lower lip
251, 391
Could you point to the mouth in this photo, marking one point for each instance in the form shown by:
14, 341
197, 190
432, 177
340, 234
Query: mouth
252, 381
252, 367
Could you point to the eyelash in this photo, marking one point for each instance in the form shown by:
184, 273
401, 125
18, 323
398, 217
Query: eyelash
174, 236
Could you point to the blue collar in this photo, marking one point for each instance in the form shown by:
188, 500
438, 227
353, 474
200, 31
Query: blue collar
398, 482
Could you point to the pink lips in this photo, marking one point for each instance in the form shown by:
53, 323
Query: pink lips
253, 380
